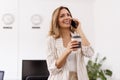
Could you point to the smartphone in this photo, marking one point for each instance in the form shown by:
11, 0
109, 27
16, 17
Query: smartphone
74, 24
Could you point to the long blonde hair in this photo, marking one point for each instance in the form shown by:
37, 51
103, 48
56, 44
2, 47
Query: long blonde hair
54, 27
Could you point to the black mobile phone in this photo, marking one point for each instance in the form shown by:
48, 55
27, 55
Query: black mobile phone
74, 24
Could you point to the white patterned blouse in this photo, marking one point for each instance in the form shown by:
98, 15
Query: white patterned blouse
55, 50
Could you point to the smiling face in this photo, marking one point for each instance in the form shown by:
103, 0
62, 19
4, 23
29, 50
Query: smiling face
64, 18
61, 19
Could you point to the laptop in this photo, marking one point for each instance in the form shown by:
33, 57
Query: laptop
1, 75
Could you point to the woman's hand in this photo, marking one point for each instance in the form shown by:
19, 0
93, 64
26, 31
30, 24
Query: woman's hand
78, 25
72, 46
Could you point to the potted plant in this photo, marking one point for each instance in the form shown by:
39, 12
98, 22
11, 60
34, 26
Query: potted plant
95, 71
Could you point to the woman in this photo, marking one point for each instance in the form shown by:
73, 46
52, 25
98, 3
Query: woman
65, 61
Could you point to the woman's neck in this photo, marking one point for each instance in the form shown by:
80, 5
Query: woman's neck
65, 32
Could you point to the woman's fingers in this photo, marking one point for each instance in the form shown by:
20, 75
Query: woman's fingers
74, 45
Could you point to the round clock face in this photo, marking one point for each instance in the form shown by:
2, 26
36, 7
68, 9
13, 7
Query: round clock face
8, 19
36, 19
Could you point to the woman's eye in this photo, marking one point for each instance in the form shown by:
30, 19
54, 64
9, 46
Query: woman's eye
61, 15
68, 15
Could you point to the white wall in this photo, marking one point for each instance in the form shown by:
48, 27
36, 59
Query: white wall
28, 43
32, 42
8, 40
107, 39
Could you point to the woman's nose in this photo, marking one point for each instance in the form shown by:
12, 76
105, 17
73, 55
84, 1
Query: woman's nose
68, 17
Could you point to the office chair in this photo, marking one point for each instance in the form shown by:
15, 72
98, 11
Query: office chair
34, 70
1, 75
36, 77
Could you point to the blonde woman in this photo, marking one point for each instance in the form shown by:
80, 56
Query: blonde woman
65, 61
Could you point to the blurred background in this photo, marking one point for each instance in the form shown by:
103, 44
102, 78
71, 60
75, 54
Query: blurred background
24, 26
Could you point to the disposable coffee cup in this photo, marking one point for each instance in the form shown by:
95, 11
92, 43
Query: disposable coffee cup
77, 38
